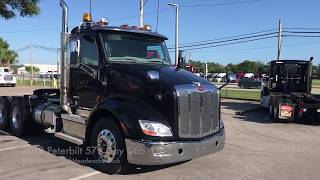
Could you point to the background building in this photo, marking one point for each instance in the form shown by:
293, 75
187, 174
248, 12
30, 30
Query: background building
44, 68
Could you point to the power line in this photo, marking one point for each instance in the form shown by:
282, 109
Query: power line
259, 48
304, 36
303, 32
226, 44
299, 28
187, 6
227, 37
27, 31
229, 40
220, 4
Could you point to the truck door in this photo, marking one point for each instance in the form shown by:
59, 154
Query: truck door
85, 86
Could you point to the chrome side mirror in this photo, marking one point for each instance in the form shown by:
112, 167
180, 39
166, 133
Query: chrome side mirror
153, 75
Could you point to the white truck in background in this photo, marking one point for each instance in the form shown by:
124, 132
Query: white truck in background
6, 77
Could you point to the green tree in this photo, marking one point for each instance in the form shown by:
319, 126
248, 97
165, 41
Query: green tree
35, 69
216, 68
7, 56
10, 8
233, 68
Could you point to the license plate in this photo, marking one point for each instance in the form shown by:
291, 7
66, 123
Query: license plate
285, 114
286, 111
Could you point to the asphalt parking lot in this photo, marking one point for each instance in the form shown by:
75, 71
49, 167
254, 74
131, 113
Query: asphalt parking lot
255, 149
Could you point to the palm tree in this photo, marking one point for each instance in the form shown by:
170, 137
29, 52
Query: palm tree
7, 56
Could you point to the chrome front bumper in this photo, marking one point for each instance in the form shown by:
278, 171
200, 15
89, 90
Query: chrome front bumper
157, 153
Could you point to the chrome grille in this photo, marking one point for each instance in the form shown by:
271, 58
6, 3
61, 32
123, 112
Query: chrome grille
198, 112
8, 77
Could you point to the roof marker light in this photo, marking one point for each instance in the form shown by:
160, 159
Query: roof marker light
125, 26
134, 27
147, 27
87, 17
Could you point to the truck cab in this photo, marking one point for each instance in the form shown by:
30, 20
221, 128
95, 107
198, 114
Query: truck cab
6, 77
288, 92
122, 99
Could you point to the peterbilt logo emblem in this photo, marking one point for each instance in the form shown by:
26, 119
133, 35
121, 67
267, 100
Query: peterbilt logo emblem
199, 86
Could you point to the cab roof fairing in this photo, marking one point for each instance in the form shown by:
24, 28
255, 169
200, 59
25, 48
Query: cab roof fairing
117, 29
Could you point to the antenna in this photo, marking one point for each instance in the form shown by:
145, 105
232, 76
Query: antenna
90, 6
158, 15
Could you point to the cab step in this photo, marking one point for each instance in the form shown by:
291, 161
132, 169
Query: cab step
69, 138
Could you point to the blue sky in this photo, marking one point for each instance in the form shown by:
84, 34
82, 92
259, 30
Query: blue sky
196, 24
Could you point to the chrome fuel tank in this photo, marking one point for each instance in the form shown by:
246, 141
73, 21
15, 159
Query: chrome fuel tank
46, 115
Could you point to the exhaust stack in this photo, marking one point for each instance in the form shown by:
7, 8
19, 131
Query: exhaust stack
63, 59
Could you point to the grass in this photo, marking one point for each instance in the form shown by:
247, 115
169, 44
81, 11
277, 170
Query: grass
47, 83
316, 82
241, 94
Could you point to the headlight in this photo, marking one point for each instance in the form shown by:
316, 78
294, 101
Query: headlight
151, 128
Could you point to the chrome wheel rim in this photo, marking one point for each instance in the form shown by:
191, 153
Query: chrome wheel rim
1, 114
15, 118
106, 146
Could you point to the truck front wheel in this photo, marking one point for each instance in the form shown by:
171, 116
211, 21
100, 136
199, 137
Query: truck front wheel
109, 147
4, 113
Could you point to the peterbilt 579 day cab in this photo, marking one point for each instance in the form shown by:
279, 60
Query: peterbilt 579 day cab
120, 95
6, 77
288, 92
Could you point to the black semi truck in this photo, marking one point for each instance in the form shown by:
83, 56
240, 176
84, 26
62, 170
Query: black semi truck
288, 92
120, 95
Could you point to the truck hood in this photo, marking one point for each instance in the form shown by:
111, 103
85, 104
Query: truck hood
168, 75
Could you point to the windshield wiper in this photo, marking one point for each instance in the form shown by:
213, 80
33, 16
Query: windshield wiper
158, 61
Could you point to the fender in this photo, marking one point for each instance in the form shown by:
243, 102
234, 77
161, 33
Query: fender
127, 111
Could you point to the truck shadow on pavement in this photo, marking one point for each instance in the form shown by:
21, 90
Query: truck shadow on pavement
252, 112
77, 154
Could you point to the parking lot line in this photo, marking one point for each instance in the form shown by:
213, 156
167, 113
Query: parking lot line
27, 145
86, 175
16, 147
4, 132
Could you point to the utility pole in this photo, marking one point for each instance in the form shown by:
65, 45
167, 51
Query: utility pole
31, 64
58, 61
141, 12
279, 39
177, 31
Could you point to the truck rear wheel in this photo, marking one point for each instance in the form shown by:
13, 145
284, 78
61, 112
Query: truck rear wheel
4, 113
273, 114
18, 117
109, 147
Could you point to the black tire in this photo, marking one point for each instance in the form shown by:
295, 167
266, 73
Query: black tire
119, 163
19, 117
273, 114
13, 85
4, 113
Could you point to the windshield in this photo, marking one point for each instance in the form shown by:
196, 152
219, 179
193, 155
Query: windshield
135, 48
290, 77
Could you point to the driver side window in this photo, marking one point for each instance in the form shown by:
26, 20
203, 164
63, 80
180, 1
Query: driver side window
89, 51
